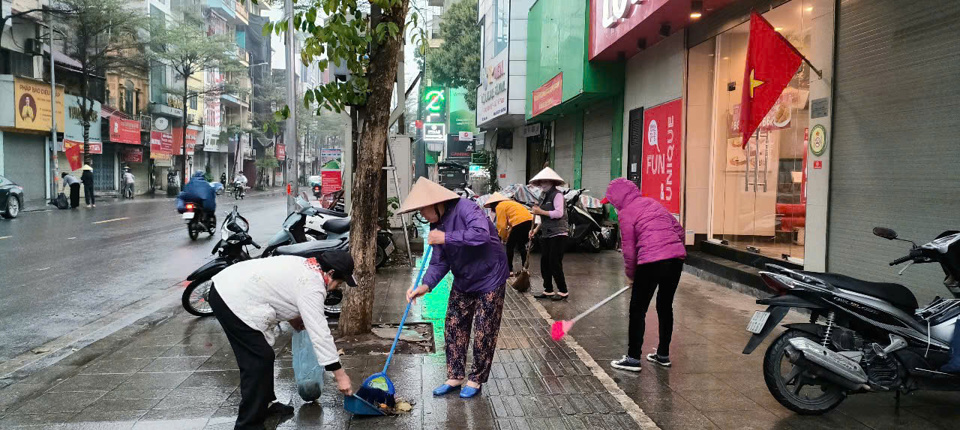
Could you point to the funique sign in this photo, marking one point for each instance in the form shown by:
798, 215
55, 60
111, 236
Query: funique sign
662, 154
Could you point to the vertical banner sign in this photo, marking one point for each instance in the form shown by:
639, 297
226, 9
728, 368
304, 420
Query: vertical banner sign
494, 82
281, 152
662, 154
331, 180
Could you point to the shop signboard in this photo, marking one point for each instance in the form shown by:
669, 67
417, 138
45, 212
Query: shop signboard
434, 104
459, 151
73, 129
494, 83
160, 143
331, 180
192, 135
330, 154
94, 148
462, 118
32, 105
124, 130
662, 154
548, 95
613, 22
434, 132
281, 152
133, 155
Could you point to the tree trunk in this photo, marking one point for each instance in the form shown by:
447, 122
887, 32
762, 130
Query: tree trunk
357, 315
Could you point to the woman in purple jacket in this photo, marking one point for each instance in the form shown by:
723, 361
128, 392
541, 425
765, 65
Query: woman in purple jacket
466, 243
653, 254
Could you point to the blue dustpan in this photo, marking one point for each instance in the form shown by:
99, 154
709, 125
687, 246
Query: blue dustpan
358, 406
378, 388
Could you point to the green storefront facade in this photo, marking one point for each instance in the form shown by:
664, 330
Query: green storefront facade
578, 102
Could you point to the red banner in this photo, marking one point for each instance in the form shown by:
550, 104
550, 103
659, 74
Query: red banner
331, 180
662, 154
548, 95
133, 155
281, 152
771, 63
124, 130
161, 143
73, 151
95, 148
178, 141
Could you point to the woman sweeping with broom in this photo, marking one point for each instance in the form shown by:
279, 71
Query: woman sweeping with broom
465, 242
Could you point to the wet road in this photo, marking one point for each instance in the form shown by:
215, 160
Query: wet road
61, 270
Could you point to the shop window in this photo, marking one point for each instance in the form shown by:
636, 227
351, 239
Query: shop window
757, 201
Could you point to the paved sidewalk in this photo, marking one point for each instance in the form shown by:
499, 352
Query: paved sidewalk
712, 384
178, 372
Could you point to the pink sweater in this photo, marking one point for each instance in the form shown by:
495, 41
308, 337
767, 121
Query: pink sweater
648, 232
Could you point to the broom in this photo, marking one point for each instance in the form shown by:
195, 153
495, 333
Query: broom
560, 328
522, 283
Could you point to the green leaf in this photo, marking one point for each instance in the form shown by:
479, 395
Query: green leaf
267, 28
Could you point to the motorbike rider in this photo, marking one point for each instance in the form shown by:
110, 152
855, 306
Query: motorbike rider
198, 190
240, 181
251, 298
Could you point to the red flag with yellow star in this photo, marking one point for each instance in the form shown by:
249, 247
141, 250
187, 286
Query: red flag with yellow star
771, 63
72, 151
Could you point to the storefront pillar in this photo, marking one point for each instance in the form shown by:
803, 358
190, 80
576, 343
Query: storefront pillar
577, 119
616, 139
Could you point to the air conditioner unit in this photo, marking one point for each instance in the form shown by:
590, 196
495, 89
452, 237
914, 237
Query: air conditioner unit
33, 47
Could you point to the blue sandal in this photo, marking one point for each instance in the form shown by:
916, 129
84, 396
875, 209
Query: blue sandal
444, 390
468, 392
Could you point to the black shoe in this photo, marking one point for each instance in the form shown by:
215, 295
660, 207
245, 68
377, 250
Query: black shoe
278, 408
559, 297
544, 295
663, 360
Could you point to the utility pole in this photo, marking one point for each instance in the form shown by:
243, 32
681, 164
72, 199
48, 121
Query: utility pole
53, 115
290, 138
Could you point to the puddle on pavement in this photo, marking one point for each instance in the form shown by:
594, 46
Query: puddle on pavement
416, 338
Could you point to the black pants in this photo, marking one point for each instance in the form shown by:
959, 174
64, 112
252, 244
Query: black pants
88, 194
646, 279
519, 236
74, 195
255, 359
551, 263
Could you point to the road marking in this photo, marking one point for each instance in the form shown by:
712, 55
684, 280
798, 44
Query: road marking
71, 238
111, 220
5, 237
43, 269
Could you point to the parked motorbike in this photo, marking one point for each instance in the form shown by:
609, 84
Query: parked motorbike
862, 336
230, 249
316, 191
198, 220
294, 232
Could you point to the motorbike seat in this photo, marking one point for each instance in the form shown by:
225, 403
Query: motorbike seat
896, 294
311, 249
333, 213
337, 226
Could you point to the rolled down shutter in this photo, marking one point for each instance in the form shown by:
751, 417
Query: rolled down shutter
597, 127
563, 155
895, 157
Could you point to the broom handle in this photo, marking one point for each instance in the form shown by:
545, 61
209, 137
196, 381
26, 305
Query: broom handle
423, 267
597, 306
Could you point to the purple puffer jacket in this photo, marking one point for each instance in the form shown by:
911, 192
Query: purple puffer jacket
648, 232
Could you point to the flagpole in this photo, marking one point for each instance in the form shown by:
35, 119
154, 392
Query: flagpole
815, 70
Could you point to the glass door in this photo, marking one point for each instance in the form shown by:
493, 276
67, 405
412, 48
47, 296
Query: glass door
757, 189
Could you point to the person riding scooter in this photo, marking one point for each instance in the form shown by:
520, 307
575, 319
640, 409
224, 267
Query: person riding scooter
240, 182
199, 191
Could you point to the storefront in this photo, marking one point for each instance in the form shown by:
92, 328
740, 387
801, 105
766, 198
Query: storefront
581, 100
683, 86
124, 135
25, 116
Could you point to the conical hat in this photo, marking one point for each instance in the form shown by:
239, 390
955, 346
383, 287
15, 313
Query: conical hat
426, 193
86, 167
496, 198
547, 174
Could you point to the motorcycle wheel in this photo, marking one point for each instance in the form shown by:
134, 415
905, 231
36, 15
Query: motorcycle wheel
790, 384
592, 243
193, 230
381, 256
194, 298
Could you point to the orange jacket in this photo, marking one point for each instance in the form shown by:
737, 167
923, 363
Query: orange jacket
509, 214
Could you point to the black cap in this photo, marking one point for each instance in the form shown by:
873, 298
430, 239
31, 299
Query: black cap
342, 264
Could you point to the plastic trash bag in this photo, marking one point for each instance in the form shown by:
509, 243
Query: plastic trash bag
307, 371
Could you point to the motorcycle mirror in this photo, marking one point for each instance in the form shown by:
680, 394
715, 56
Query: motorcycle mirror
885, 233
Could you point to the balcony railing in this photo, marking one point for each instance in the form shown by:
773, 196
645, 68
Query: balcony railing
242, 13
146, 122
243, 55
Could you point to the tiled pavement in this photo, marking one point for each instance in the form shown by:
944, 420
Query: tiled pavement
180, 373
175, 371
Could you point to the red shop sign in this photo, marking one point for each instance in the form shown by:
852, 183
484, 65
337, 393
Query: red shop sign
161, 143
124, 130
95, 148
548, 95
331, 180
662, 154
133, 155
178, 141
281, 152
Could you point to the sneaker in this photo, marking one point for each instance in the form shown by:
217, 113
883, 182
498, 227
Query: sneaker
626, 363
277, 408
663, 360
